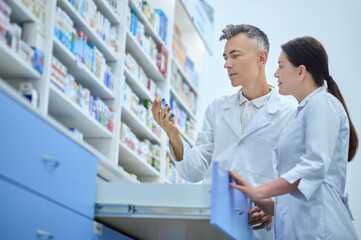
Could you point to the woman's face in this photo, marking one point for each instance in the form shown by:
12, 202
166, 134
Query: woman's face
287, 75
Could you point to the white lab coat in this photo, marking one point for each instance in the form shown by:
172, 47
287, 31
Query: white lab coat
314, 148
249, 153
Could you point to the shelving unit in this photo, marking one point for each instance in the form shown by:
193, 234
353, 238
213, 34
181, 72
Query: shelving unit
135, 164
115, 159
71, 115
185, 77
142, 58
140, 90
80, 72
181, 102
81, 25
7, 62
149, 31
138, 127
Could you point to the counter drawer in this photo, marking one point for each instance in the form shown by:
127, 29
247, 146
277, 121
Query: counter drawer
38, 156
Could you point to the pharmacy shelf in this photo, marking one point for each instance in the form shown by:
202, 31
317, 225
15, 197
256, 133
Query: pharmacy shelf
188, 139
81, 25
132, 163
137, 127
20, 14
187, 24
170, 155
137, 87
12, 66
142, 58
184, 76
112, 15
70, 114
113, 173
180, 101
148, 28
80, 72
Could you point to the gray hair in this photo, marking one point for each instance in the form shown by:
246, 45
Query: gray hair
254, 33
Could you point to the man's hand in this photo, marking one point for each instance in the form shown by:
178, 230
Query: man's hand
162, 118
259, 218
266, 205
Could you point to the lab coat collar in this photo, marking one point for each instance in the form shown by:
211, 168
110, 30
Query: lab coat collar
265, 115
232, 114
309, 96
258, 102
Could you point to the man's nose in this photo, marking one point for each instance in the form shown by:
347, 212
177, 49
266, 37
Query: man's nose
227, 64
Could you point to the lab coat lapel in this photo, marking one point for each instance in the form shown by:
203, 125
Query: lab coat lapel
232, 114
260, 120
264, 116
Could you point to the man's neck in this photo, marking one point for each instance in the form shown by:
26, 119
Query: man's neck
255, 91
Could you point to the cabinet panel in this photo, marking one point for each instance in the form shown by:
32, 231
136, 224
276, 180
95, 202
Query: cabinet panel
41, 158
25, 215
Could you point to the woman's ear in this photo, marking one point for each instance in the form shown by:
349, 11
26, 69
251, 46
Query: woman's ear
302, 71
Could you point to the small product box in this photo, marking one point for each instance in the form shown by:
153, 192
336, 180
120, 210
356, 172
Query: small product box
77, 133
27, 90
38, 60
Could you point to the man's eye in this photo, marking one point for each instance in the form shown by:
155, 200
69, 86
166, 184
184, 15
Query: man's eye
235, 55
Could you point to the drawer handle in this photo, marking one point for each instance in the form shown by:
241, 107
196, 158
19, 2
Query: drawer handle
52, 160
239, 211
45, 234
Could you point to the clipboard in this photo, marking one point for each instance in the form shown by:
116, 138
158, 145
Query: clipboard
229, 207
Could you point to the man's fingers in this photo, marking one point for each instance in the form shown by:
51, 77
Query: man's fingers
255, 209
267, 221
256, 217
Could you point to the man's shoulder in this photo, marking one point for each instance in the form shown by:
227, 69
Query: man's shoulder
225, 99
279, 104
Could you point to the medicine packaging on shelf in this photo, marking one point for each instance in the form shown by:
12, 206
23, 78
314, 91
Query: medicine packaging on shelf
77, 133
92, 105
27, 90
76, 42
100, 25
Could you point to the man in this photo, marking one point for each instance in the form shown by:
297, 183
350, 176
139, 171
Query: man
239, 131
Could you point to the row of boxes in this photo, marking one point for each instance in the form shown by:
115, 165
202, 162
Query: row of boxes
183, 89
136, 28
171, 173
76, 41
137, 71
142, 109
12, 36
92, 105
144, 149
97, 22
184, 123
179, 51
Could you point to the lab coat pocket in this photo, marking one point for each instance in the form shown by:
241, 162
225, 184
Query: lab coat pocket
260, 162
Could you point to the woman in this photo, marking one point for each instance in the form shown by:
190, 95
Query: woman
312, 153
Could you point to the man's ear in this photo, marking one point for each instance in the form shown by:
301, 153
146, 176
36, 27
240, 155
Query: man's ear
262, 57
302, 71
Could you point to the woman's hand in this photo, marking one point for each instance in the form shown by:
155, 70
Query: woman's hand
244, 186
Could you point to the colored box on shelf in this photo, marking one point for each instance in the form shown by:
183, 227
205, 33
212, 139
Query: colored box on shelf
38, 60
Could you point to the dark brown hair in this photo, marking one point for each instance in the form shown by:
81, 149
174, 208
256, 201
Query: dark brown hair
309, 52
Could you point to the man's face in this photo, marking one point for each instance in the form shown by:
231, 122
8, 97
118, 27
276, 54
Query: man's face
242, 62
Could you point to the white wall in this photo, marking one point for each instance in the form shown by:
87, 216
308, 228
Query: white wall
337, 24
